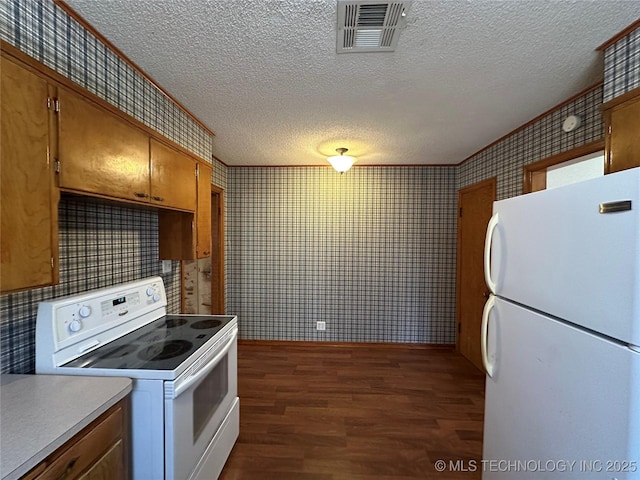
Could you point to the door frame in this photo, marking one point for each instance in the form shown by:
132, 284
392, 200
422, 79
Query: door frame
217, 250
535, 174
482, 184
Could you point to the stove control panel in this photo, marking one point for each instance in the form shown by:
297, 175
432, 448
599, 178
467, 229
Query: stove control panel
80, 317
119, 306
153, 294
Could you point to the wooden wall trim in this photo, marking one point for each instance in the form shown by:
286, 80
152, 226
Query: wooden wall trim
33, 65
530, 122
294, 343
532, 168
218, 160
619, 35
76, 16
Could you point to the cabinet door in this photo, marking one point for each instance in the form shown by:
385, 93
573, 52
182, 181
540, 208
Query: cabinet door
87, 450
100, 153
203, 219
173, 178
623, 136
29, 202
109, 466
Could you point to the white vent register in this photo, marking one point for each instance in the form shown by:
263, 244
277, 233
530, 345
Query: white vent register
369, 26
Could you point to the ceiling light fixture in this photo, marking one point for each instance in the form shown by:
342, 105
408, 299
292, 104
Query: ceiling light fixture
341, 162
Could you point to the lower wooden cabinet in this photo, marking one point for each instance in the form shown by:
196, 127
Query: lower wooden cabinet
99, 452
108, 466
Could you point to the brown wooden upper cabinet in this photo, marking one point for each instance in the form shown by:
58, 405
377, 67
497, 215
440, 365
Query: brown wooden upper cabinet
622, 134
55, 134
181, 237
29, 211
173, 178
100, 153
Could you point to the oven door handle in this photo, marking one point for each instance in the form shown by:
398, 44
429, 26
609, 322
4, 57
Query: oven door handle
207, 368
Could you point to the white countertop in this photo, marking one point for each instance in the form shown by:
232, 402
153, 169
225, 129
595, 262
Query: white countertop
40, 413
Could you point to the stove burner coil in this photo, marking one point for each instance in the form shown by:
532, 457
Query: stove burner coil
209, 323
164, 350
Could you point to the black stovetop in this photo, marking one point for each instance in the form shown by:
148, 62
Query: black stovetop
160, 345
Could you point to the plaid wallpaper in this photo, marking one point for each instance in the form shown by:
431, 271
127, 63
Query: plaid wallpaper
542, 139
622, 66
370, 252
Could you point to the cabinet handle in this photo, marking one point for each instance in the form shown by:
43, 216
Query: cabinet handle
206, 254
159, 199
140, 194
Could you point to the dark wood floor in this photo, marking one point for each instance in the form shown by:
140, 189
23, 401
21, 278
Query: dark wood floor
331, 412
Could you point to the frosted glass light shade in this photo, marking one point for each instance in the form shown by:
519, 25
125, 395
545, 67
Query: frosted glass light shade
341, 163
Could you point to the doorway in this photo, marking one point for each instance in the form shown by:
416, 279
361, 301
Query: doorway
203, 279
217, 250
475, 206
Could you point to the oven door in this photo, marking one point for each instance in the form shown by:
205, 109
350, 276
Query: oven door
195, 409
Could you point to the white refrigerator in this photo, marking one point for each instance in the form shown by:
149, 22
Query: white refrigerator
561, 333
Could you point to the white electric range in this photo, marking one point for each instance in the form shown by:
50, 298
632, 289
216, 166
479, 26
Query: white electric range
184, 402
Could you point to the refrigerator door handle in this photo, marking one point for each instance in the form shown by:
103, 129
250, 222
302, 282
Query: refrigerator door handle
493, 223
484, 334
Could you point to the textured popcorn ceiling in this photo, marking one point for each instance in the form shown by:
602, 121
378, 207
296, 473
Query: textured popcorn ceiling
265, 76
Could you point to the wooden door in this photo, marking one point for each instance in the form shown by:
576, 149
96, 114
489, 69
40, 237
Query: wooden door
623, 136
475, 205
203, 214
99, 152
173, 178
29, 203
217, 250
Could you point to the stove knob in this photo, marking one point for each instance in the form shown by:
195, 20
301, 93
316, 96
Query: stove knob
156, 297
75, 325
84, 311
150, 291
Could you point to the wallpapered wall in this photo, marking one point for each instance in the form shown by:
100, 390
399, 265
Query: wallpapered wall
622, 66
371, 252
542, 139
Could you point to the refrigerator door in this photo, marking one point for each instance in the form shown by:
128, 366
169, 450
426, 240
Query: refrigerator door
562, 403
572, 252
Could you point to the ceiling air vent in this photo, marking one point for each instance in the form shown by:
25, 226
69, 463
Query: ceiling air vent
369, 26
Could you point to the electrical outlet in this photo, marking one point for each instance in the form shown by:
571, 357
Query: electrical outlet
321, 326
166, 266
